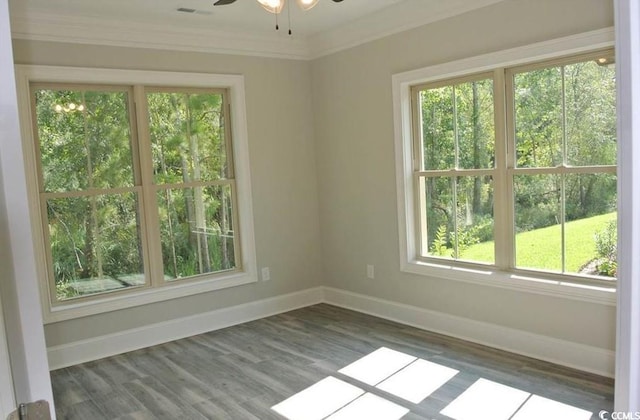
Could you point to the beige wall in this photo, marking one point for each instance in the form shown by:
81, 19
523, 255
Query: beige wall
284, 187
356, 172
323, 173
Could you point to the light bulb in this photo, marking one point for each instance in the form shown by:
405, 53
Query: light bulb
273, 6
306, 4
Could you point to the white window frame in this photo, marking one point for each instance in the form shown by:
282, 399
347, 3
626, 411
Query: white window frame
410, 262
54, 312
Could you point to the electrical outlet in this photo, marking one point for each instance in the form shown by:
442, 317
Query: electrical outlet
370, 271
266, 274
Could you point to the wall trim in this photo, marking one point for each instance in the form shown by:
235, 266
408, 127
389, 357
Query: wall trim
566, 286
38, 25
574, 355
134, 339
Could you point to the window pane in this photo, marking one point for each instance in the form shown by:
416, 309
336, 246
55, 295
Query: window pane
439, 207
85, 139
538, 118
437, 118
475, 124
187, 136
197, 230
591, 114
467, 232
95, 244
590, 229
474, 234
538, 222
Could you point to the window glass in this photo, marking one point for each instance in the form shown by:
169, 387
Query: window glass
187, 136
565, 131
196, 226
84, 138
457, 134
97, 217
554, 179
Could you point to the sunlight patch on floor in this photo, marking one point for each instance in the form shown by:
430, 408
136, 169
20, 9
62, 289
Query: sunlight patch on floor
417, 381
377, 366
414, 380
486, 400
370, 407
319, 400
539, 408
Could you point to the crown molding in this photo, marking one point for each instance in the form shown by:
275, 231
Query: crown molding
402, 17
35, 25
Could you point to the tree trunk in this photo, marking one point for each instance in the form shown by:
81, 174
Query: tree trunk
477, 150
204, 259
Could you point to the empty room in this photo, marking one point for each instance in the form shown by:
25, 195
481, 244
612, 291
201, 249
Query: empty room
319, 209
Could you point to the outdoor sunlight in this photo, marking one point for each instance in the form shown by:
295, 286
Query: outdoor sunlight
370, 407
418, 380
319, 400
414, 380
488, 400
377, 366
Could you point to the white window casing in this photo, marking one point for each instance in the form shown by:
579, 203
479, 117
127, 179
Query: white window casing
402, 83
234, 84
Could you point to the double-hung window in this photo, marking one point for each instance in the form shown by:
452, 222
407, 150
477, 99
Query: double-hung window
138, 191
513, 170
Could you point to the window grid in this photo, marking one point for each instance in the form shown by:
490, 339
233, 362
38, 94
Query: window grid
421, 174
144, 188
504, 171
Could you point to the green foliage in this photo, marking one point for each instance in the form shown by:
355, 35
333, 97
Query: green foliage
540, 248
607, 249
86, 148
439, 244
564, 115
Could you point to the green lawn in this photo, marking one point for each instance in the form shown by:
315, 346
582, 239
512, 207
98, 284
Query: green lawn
541, 248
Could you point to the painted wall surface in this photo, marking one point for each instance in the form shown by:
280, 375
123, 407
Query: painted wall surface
7, 400
356, 168
283, 175
22, 316
323, 174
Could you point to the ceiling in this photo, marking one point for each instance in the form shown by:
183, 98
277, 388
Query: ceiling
241, 28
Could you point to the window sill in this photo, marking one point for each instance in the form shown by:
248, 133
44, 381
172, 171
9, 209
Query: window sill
522, 283
117, 301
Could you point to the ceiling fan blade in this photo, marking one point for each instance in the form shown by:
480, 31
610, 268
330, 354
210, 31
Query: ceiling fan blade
337, 1
223, 2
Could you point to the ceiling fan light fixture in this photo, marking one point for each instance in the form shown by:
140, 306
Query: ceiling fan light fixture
306, 4
272, 6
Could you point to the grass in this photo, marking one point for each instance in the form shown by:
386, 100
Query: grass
541, 248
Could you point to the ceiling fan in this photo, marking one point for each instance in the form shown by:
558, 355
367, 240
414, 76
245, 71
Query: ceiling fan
276, 6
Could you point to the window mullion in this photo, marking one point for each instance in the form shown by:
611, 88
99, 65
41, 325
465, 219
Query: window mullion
418, 182
503, 182
149, 216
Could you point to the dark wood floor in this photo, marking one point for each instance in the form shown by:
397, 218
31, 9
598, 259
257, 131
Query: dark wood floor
242, 371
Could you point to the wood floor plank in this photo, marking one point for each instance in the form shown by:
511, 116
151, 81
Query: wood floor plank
241, 372
160, 400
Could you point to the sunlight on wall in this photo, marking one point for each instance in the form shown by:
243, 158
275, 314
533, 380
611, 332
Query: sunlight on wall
413, 380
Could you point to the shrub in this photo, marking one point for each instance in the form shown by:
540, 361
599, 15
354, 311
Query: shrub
607, 249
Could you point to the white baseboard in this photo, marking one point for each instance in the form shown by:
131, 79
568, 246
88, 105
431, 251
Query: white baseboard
151, 335
579, 356
566, 353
